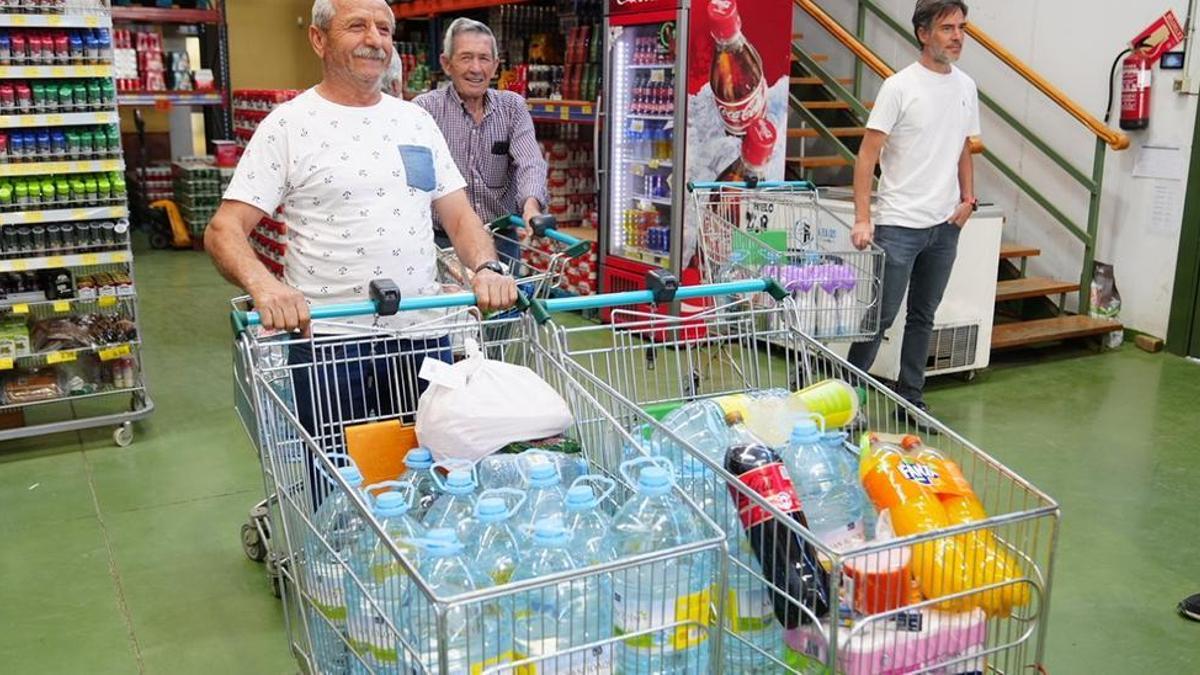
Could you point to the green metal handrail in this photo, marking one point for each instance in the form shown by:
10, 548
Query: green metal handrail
1093, 184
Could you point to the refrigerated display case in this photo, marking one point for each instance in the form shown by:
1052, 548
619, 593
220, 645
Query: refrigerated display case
664, 126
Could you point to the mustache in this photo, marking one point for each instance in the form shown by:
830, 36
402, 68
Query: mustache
370, 53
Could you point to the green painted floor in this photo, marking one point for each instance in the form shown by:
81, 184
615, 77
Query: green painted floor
128, 560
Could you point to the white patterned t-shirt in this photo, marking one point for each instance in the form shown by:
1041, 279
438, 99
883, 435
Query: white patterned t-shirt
356, 187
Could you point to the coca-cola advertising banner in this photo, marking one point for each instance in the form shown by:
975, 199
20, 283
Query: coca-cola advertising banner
639, 6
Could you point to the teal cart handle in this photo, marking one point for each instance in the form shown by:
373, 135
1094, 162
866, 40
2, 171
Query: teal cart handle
542, 309
367, 308
713, 185
544, 226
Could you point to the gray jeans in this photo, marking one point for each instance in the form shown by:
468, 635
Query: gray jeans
919, 262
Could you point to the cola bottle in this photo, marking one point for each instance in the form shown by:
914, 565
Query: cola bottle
787, 560
737, 80
757, 147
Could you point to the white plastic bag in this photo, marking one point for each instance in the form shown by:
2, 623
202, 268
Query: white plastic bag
477, 406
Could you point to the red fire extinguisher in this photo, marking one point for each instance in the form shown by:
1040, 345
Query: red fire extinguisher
1137, 74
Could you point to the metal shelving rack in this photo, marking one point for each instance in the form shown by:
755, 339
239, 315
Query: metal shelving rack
116, 394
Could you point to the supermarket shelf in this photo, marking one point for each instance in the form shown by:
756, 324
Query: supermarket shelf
642, 255
68, 304
50, 262
40, 168
181, 98
80, 397
64, 215
426, 8
55, 21
166, 15
652, 66
58, 119
39, 72
652, 118
651, 163
106, 353
661, 201
547, 110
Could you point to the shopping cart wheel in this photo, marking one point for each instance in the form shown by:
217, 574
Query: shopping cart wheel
123, 435
276, 576
968, 375
252, 544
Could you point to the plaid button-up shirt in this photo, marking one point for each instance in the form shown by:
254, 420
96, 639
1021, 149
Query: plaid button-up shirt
499, 156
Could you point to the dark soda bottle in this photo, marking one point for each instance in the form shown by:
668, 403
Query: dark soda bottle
787, 560
737, 80
757, 147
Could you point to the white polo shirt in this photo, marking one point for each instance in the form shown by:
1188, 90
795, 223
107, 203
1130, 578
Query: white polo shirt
356, 186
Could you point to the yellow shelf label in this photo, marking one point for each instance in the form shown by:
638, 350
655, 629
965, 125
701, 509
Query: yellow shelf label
34, 217
6, 364
89, 259
54, 20
28, 121
92, 21
120, 257
550, 108
18, 20
79, 214
56, 261
21, 309
108, 301
565, 113
58, 71
113, 353
637, 126
587, 110
54, 120
61, 306
19, 265
61, 357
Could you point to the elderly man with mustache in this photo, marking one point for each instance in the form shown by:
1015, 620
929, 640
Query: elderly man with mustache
358, 176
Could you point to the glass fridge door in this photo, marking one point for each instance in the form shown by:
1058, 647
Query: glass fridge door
643, 139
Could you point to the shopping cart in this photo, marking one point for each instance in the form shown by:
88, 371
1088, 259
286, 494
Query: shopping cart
993, 623
780, 230
539, 270
409, 627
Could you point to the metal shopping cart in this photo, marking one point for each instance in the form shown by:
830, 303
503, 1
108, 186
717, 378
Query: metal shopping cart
405, 626
780, 230
986, 618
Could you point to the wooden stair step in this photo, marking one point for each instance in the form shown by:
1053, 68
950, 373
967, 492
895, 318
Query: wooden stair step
819, 58
1032, 287
838, 132
816, 81
1025, 333
819, 161
832, 105
1010, 251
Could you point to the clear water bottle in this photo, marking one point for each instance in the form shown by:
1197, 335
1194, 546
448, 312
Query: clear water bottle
573, 613
498, 552
545, 495
339, 523
836, 444
749, 612
419, 471
586, 520
664, 593
700, 424
827, 482
508, 471
375, 592
470, 639
455, 506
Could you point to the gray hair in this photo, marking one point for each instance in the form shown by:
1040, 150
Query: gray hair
322, 14
393, 75
928, 11
462, 26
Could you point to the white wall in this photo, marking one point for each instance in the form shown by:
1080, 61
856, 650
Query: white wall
1072, 43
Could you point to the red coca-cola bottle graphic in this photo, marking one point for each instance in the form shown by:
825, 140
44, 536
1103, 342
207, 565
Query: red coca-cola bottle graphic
737, 78
757, 147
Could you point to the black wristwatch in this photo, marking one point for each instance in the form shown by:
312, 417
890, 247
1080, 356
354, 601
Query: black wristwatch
493, 265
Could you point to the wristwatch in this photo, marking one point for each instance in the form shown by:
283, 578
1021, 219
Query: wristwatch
495, 266
974, 202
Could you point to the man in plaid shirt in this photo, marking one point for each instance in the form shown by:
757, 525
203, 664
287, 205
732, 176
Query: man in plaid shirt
490, 132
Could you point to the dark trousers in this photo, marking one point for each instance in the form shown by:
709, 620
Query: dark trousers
919, 263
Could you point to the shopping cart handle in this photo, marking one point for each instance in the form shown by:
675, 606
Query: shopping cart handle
714, 185
243, 320
542, 309
544, 226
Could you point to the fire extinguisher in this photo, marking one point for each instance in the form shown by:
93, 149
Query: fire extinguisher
1137, 74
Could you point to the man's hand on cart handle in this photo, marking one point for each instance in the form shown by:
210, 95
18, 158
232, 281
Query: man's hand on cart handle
493, 291
533, 209
862, 235
280, 306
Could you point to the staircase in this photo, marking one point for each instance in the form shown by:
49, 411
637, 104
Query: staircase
826, 129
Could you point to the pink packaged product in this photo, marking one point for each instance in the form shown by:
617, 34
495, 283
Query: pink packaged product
905, 643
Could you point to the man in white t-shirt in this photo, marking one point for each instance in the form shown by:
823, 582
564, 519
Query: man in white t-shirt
919, 131
358, 176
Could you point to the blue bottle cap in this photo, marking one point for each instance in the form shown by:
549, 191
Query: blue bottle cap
654, 480
419, 459
442, 542
390, 505
835, 438
550, 532
581, 498
542, 475
491, 510
806, 432
352, 475
459, 482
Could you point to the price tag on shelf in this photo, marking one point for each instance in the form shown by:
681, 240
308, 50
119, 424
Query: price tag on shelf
81, 214
108, 301
55, 120
18, 20
564, 114
587, 110
89, 259
113, 353
92, 21
19, 265
28, 121
61, 357
21, 308
658, 76
551, 107
54, 20
58, 71
638, 126
6, 364
120, 257
62, 306
34, 216
162, 104
56, 261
